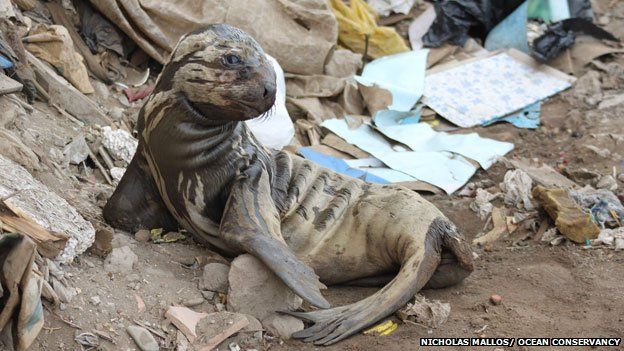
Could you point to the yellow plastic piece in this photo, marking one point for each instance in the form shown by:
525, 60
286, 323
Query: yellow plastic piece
382, 329
358, 21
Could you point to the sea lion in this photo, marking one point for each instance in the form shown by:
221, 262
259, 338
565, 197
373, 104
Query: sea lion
199, 167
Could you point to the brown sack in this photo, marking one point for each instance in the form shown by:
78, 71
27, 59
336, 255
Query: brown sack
298, 33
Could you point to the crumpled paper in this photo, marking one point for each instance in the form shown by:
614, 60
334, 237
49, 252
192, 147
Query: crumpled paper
425, 312
516, 187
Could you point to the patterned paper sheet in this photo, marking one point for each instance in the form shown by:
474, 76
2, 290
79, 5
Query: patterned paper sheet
479, 91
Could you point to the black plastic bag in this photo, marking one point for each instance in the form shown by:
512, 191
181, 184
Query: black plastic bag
456, 20
561, 35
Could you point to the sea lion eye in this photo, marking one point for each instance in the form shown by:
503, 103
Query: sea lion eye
231, 59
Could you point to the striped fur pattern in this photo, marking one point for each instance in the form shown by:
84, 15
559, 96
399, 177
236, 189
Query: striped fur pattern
199, 167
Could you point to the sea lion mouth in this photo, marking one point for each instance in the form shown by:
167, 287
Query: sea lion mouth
198, 111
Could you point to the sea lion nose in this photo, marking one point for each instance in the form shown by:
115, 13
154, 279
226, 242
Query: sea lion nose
269, 90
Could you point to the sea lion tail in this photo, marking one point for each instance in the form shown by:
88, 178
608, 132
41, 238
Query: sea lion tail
419, 263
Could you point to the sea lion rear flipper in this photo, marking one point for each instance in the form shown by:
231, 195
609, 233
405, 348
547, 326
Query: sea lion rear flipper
136, 202
251, 223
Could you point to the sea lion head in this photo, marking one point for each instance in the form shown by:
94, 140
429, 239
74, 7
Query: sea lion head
221, 73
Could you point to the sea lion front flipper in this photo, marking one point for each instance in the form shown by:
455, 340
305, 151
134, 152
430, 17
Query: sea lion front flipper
251, 223
136, 202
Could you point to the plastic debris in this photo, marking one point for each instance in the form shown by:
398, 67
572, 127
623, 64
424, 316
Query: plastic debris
277, 130
430, 313
385, 7
481, 204
604, 206
455, 19
442, 169
516, 187
401, 74
359, 32
382, 329
157, 236
611, 237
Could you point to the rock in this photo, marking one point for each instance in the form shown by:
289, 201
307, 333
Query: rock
217, 327
587, 88
496, 299
95, 300
182, 343
117, 173
607, 182
256, 290
604, 153
120, 260
103, 243
208, 295
116, 113
193, 301
143, 338
121, 240
569, 217
77, 150
215, 278
254, 324
611, 101
142, 236
119, 143
282, 325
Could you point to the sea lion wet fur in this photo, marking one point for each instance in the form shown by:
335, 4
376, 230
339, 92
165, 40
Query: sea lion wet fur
199, 167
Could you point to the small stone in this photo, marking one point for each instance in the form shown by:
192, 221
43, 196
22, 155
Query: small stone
215, 278
95, 300
220, 307
142, 235
143, 338
208, 295
282, 325
193, 301
569, 217
496, 299
116, 113
607, 182
256, 290
120, 260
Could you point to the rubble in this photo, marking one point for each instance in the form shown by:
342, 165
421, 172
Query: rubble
215, 278
481, 204
121, 144
143, 338
425, 312
569, 217
120, 260
282, 326
517, 187
33, 202
257, 291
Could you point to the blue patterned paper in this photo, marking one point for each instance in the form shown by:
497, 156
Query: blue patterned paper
477, 92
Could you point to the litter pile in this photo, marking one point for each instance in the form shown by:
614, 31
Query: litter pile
404, 98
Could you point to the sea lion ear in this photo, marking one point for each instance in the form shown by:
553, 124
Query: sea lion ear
251, 223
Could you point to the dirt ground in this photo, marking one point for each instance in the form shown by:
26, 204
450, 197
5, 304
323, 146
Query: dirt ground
560, 291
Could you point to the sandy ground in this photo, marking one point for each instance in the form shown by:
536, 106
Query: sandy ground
562, 291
